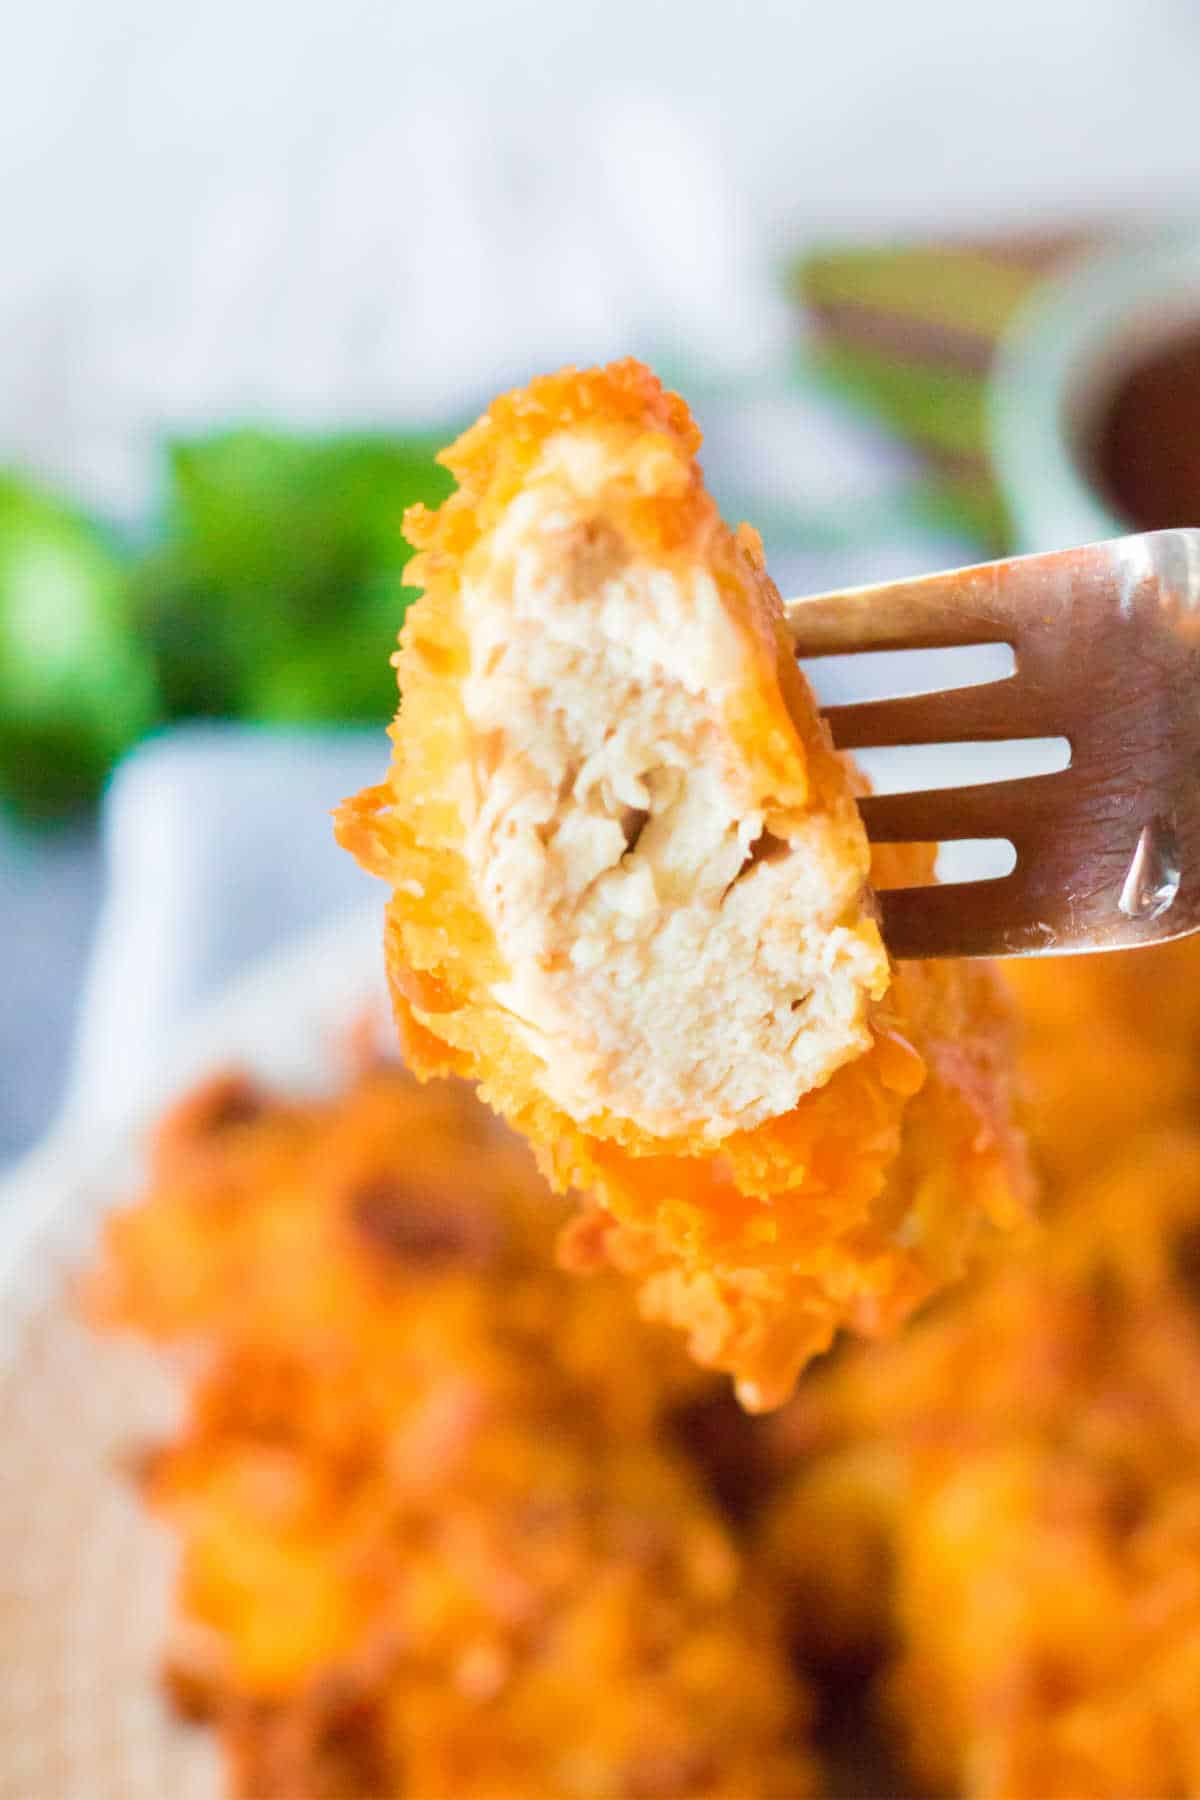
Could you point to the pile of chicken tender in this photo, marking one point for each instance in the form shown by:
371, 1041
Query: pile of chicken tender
455, 1521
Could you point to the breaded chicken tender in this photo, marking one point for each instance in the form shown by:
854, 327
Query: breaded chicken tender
512, 1600
434, 1536
1009, 1504
274, 1216
1110, 1045
1004, 1505
630, 898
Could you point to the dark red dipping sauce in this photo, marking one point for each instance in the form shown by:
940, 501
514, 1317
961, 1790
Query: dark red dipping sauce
1146, 453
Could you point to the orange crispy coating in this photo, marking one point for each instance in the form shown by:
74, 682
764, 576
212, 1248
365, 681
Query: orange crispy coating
432, 1542
862, 1200
1022, 1529
530, 1605
1007, 1502
851, 1244
1089, 1017
268, 1216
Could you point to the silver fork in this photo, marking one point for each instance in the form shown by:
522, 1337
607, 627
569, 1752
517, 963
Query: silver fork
1107, 646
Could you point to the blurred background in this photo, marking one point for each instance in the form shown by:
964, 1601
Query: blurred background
259, 260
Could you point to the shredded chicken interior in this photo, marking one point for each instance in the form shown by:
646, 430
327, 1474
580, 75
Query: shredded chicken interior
679, 951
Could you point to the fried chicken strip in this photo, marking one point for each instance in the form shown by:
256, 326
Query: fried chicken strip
434, 1537
630, 896
1005, 1504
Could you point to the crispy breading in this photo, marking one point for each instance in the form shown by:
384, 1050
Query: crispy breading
630, 901
270, 1214
1005, 1504
433, 1538
1111, 1044
522, 1602
1020, 1527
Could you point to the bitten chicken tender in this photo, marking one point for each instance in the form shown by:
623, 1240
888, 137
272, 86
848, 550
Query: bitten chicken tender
435, 1537
630, 898
1005, 1504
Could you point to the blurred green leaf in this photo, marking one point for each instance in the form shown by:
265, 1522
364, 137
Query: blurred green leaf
278, 593
939, 408
274, 591
340, 678
76, 685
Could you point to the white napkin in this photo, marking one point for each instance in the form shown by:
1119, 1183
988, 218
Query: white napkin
219, 848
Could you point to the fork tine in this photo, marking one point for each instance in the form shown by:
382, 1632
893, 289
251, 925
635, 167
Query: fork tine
968, 918
994, 809
1108, 636
991, 710
934, 612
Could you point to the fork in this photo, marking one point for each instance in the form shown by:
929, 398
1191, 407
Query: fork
1107, 646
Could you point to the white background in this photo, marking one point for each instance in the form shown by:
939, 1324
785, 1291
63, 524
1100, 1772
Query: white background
375, 207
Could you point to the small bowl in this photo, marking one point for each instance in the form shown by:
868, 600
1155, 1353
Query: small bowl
1057, 369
